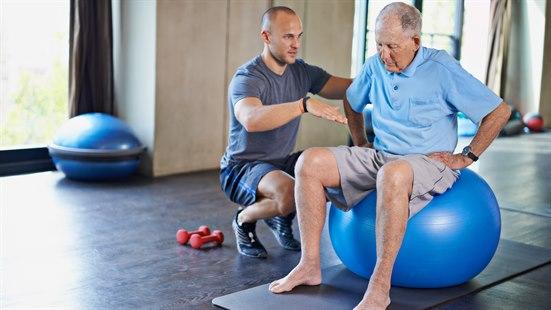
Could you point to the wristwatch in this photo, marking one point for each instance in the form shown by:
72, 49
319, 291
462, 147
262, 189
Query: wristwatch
467, 151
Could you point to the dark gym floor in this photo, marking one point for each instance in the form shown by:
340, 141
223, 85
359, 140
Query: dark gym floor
74, 245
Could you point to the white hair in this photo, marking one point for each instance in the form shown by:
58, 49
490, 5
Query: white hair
409, 16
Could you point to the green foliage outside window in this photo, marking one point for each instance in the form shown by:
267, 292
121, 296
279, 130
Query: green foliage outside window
37, 108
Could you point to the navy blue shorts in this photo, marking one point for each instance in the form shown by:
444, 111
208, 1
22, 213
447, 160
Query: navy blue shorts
239, 181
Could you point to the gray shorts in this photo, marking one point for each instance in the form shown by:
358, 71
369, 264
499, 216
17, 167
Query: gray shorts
358, 167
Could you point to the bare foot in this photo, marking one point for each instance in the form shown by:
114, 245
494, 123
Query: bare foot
375, 298
302, 274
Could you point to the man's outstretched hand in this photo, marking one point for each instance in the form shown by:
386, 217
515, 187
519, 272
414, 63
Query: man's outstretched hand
323, 110
454, 161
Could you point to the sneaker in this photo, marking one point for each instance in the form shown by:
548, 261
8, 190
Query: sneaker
246, 239
282, 227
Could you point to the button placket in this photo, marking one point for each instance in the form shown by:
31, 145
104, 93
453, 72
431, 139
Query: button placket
394, 94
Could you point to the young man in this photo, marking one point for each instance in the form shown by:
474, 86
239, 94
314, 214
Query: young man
266, 98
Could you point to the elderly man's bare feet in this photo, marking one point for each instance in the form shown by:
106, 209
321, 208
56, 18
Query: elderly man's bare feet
375, 298
302, 274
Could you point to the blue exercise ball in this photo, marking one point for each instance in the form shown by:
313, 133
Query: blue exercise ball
368, 117
96, 147
465, 127
447, 243
368, 122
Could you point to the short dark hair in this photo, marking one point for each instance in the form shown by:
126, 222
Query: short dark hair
271, 13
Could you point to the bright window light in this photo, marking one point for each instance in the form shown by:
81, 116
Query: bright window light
34, 53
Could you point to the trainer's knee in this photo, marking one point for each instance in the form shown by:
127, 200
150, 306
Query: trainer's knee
396, 176
285, 198
311, 162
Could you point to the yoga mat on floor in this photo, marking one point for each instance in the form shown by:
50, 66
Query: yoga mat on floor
342, 289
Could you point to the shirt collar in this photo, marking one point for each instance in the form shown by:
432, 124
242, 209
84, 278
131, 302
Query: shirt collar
410, 69
417, 60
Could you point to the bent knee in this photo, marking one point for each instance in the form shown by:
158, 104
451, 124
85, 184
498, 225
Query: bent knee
312, 161
397, 174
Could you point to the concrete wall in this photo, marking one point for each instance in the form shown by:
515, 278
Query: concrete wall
176, 58
200, 44
134, 55
545, 95
191, 67
524, 70
173, 60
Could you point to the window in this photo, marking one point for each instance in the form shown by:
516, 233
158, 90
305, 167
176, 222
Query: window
442, 22
34, 53
34, 71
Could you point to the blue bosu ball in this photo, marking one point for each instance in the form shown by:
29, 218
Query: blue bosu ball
447, 243
95, 147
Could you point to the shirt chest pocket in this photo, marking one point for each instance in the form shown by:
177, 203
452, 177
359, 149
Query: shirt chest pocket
424, 112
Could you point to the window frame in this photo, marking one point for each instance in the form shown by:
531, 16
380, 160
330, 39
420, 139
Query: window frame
25, 159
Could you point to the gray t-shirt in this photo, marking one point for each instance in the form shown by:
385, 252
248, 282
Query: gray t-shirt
255, 79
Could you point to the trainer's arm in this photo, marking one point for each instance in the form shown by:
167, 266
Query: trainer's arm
255, 116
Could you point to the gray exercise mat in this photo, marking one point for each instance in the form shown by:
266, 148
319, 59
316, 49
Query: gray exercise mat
341, 289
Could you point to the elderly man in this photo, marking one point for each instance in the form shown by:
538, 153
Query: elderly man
266, 98
416, 93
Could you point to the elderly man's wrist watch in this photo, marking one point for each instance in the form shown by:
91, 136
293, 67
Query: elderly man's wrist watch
467, 151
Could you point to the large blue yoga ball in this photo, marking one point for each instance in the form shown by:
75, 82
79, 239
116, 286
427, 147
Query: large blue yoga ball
465, 127
368, 122
447, 243
95, 147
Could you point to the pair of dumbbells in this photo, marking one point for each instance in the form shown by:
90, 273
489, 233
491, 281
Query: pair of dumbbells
199, 237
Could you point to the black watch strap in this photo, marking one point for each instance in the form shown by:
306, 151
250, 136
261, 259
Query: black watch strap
304, 104
467, 152
472, 156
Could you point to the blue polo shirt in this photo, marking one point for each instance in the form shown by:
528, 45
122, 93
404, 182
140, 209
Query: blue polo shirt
415, 111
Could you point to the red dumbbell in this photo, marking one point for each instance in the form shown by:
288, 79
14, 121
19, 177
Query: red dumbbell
197, 241
182, 235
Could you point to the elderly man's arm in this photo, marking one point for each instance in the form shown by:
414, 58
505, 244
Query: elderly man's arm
489, 128
335, 88
356, 125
